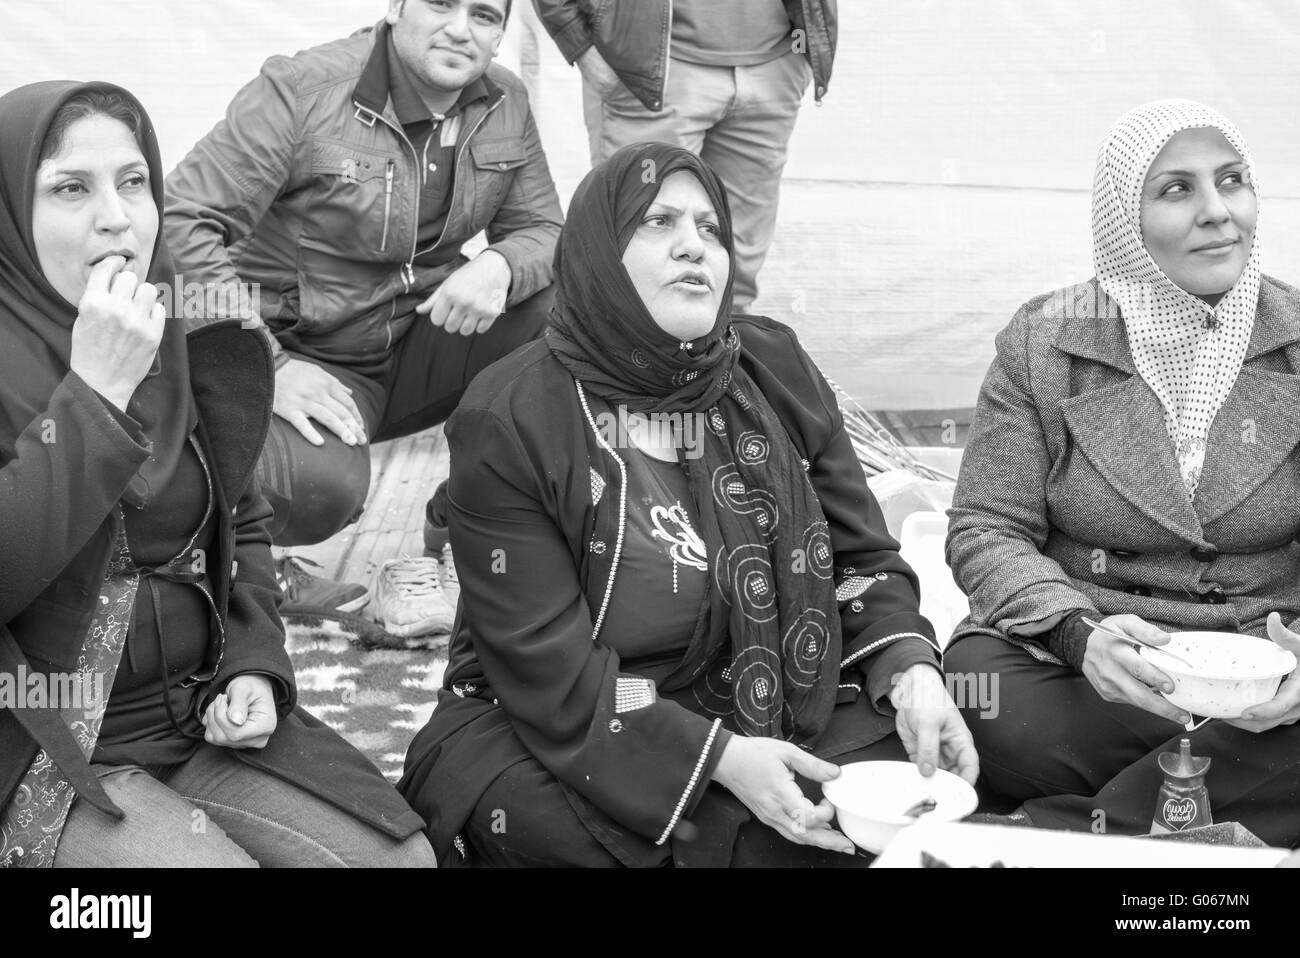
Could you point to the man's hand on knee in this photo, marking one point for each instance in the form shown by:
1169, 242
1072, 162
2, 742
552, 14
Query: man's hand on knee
470, 299
304, 391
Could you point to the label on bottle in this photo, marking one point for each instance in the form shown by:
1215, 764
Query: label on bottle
1176, 813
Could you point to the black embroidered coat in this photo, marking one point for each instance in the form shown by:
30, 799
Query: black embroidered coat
535, 523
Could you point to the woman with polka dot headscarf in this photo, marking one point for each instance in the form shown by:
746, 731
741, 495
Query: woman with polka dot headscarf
1134, 460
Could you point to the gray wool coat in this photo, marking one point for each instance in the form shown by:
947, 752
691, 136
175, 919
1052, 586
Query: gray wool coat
1069, 495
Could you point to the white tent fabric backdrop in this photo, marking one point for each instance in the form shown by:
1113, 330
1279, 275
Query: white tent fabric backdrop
944, 180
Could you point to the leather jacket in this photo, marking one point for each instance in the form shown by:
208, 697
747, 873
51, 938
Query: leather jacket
310, 189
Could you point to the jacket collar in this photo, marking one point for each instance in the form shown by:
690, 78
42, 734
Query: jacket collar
1120, 428
371, 91
1092, 327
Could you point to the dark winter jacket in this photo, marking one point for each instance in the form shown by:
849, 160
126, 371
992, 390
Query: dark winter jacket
58, 511
533, 486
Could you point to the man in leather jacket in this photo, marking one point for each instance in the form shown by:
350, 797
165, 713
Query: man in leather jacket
723, 78
343, 182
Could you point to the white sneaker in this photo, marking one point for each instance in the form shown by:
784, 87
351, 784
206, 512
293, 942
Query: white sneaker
450, 581
410, 598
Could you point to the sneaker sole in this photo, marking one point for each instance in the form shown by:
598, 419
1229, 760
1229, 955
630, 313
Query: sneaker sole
413, 629
356, 604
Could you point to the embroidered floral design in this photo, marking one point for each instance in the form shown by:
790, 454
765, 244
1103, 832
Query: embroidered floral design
30, 827
673, 525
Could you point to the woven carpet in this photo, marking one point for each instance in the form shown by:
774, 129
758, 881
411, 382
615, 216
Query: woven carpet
376, 699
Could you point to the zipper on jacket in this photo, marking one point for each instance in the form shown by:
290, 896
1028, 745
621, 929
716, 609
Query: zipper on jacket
406, 269
415, 232
668, 59
388, 203
455, 179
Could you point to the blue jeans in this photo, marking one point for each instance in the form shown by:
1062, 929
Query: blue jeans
214, 811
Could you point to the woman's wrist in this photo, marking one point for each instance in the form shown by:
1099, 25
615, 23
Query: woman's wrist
1068, 639
728, 756
920, 685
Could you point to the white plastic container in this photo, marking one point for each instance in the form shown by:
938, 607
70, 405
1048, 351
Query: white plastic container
921, 546
871, 797
1229, 672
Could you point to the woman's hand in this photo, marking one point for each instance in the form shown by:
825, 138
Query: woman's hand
243, 716
119, 326
304, 390
1120, 674
930, 725
1284, 707
760, 772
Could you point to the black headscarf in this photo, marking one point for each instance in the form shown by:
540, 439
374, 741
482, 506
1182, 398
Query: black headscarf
767, 644
36, 321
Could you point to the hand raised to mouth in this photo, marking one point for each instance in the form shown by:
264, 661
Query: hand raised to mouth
119, 326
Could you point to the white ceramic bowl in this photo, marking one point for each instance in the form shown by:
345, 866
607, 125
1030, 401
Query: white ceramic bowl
1229, 672
870, 798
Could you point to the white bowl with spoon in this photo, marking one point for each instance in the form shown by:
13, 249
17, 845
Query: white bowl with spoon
874, 801
1222, 673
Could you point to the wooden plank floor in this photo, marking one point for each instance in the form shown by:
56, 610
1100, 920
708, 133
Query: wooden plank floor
405, 472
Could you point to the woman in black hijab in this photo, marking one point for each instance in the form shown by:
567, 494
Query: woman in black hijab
674, 574
153, 720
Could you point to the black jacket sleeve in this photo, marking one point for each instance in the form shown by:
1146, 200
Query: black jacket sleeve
568, 26
68, 470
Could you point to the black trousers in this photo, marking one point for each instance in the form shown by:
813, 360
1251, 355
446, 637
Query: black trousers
524, 819
1080, 763
317, 490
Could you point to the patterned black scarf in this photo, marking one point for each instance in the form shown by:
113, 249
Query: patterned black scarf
766, 647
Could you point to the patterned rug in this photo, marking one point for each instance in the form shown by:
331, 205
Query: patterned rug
376, 699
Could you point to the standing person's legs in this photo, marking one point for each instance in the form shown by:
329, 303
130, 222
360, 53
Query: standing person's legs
283, 826
317, 490
747, 149
696, 98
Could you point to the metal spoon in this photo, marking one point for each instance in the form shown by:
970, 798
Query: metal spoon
1136, 641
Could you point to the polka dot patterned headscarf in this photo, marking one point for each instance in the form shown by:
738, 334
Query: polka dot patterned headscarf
1188, 352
